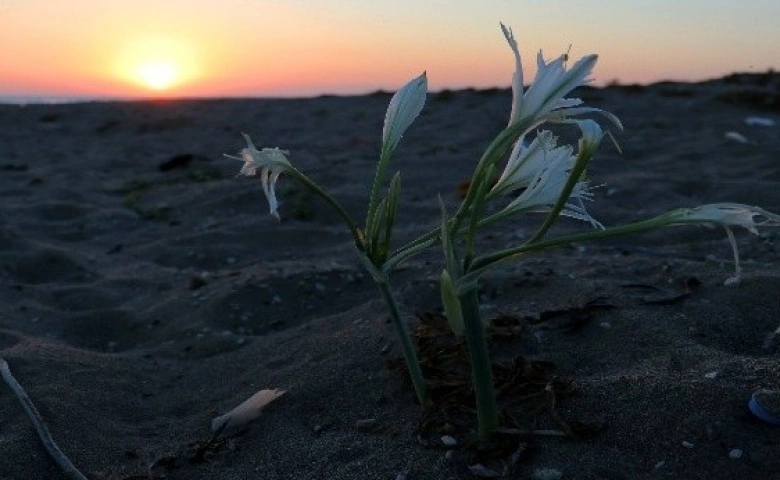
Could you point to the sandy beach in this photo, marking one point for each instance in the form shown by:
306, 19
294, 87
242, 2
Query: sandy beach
145, 290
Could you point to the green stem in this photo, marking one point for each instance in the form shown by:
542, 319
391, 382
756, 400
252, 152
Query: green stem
379, 178
408, 252
412, 363
418, 244
481, 368
497, 148
340, 210
483, 263
474, 213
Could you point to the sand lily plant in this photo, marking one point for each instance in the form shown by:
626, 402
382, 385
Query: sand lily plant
373, 242
539, 175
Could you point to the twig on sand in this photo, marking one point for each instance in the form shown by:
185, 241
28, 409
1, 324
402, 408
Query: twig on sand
65, 464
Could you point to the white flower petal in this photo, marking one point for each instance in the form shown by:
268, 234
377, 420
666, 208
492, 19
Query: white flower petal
542, 170
545, 99
524, 163
249, 168
577, 111
517, 77
730, 214
271, 162
553, 82
567, 103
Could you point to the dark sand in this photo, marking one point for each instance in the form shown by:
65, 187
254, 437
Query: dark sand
144, 290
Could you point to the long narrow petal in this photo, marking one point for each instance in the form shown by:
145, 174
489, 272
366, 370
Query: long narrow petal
527, 162
553, 83
577, 111
268, 179
249, 168
517, 76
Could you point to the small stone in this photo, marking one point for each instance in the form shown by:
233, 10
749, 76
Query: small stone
759, 122
547, 474
365, 424
402, 475
482, 471
711, 375
448, 441
735, 454
687, 444
735, 137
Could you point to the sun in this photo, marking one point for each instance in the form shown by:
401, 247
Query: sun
158, 74
157, 63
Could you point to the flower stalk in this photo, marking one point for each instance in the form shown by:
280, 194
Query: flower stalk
410, 354
481, 366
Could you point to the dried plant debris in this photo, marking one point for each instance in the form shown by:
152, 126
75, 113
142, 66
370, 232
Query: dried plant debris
247, 411
528, 392
658, 296
575, 317
200, 450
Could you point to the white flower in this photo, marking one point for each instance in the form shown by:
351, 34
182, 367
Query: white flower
271, 162
525, 163
729, 215
545, 98
542, 169
404, 107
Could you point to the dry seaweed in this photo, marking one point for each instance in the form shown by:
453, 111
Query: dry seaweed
528, 393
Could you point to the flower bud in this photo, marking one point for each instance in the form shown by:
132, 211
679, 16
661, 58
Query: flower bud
405, 106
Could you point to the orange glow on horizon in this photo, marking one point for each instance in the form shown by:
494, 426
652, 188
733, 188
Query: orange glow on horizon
204, 48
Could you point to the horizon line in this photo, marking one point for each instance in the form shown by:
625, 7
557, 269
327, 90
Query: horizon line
55, 99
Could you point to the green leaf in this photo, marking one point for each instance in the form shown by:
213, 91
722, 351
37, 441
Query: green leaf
451, 304
391, 209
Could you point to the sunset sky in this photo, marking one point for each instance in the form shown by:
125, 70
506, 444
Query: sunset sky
215, 48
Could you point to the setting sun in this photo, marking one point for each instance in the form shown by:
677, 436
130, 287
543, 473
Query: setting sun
157, 63
158, 74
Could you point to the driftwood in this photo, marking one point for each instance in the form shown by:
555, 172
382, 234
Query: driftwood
65, 464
